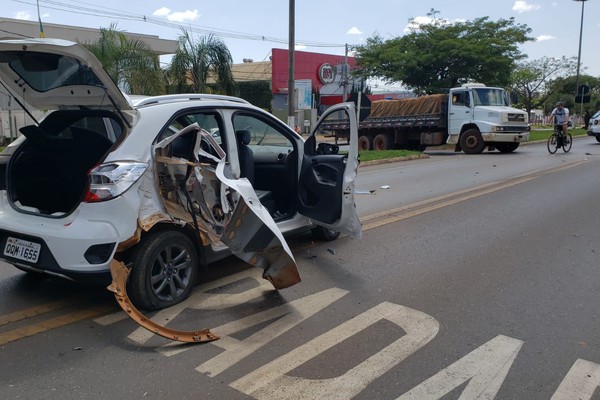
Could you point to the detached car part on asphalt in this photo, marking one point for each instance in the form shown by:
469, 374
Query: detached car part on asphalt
163, 185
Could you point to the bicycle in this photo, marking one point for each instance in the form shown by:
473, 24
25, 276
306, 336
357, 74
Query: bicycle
557, 139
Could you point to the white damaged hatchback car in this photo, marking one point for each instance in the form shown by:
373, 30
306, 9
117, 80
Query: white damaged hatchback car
164, 184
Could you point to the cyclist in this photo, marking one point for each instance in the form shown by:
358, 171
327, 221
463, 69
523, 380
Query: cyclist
561, 117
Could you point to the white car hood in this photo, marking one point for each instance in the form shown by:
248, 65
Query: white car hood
57, 74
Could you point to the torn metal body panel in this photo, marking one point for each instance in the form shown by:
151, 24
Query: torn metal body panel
226, 210
220, 209
120, 273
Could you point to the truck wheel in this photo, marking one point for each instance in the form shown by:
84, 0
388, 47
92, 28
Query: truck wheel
365, 143
382, 142
506, 147
164, 271
471, 142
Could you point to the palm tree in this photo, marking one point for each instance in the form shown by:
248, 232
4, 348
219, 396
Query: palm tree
198, 60
130, 62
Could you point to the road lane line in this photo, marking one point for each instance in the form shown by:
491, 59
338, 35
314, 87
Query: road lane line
411, 210
39, 310
53, 323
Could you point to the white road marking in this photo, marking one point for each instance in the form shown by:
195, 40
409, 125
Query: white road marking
485, 369
201, 300
111, 318
269, 381
581, 382
290, 315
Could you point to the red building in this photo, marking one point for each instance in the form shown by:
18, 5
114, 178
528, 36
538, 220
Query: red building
325, 72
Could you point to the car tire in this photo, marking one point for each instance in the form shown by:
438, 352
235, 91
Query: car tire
325, 234
598, 139
164, 270
506, 147
471, 142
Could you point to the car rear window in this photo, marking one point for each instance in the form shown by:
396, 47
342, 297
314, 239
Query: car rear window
45, 72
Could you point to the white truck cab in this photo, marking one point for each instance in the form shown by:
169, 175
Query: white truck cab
480, 116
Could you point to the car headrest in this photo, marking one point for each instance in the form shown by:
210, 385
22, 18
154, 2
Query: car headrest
243, 136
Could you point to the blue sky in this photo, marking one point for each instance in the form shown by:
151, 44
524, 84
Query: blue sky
251, 29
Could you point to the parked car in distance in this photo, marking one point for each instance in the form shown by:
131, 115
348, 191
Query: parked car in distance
594, 126
164, 184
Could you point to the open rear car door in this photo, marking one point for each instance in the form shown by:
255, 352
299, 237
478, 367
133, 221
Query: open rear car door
326, 179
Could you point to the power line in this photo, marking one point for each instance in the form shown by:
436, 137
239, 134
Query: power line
79, 8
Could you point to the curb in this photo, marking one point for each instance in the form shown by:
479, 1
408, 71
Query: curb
395, 159
424, 156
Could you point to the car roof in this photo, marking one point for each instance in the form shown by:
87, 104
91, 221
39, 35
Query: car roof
142, 101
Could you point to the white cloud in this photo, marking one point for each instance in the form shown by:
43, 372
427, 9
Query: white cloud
420, 21
183, 16
543, 38
354, 31
299, 46
177, 16
162, 12
23, 15
521, 6
417, 21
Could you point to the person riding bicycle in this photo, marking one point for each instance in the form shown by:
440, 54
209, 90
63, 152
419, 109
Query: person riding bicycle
561, 118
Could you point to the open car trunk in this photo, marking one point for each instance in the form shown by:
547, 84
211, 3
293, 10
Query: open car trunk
48, 172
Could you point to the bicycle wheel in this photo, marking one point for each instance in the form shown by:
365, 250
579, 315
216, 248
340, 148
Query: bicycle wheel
552, 144
567, 143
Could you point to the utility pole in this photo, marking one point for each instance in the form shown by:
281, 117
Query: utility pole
345, 74
579, 54
291, 49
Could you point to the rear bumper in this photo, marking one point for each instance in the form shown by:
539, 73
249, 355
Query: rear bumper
79, 246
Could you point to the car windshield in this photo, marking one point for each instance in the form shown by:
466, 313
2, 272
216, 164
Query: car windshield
596, 115
489, 97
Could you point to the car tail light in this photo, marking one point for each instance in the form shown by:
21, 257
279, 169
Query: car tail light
108, 181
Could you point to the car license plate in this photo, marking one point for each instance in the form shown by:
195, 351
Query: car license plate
22, 249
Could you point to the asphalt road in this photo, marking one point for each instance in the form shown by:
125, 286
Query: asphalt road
476, 277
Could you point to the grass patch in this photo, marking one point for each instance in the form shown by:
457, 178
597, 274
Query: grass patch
371, 155
543, 134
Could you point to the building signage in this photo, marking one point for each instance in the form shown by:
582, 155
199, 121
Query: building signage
326, 73
303, 89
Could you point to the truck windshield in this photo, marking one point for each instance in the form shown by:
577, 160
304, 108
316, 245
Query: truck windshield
489, 97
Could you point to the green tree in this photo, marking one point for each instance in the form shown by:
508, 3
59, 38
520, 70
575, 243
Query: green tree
439, 55
198, 60
130, 62
563, 89
256, 92
531, 79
